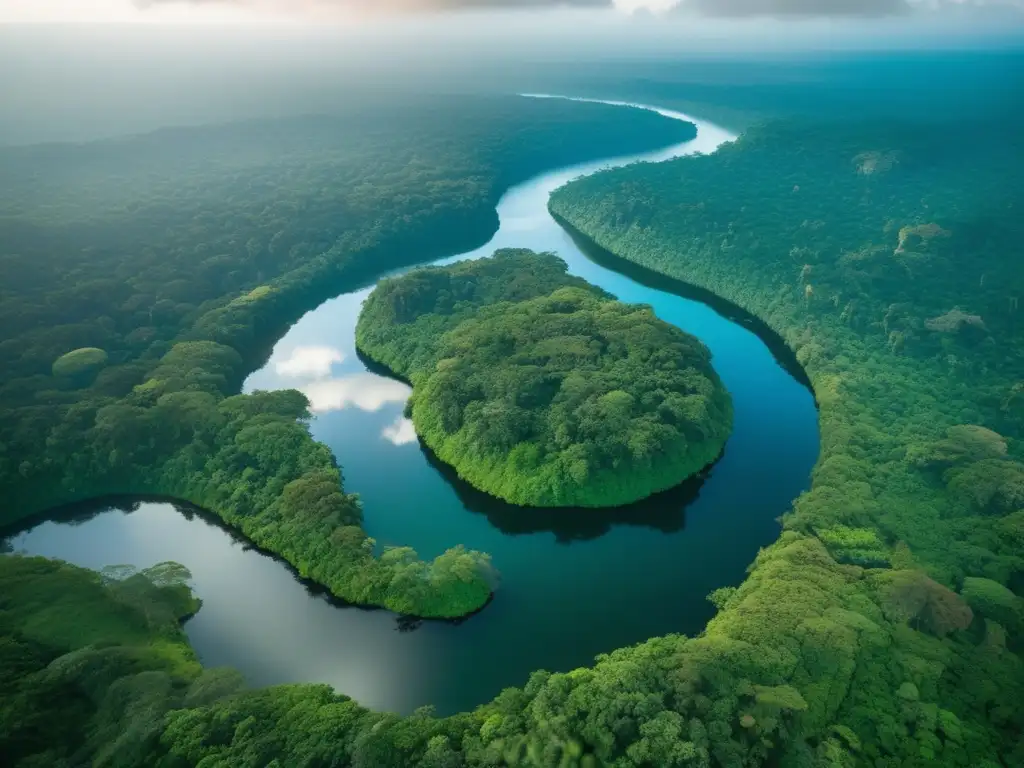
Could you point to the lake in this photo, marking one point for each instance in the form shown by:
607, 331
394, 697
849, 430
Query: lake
574, 583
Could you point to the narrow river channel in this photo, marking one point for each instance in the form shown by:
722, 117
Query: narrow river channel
574, 584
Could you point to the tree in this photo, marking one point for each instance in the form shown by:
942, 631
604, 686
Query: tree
168, 574
963, 444
990, 486
80, 365
661, 742
912, 597
994, 601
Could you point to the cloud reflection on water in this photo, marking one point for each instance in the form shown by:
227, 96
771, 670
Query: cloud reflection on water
309, 362
363, 390
309, 368
402, 432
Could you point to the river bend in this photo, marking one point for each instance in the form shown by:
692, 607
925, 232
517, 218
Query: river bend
574, 584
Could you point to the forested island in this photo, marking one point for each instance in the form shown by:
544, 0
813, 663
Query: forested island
885, 254
142, 278
540, 388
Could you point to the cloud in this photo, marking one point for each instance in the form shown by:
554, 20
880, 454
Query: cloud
365, 391
795, 8
309, 362
402, 432
367, 7
990, 8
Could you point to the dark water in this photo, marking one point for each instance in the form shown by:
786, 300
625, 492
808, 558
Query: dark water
574, 584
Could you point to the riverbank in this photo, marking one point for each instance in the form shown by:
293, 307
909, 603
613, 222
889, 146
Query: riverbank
862, 269
550, 393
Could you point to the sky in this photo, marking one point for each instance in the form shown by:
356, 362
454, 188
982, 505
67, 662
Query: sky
14, 11
182, 62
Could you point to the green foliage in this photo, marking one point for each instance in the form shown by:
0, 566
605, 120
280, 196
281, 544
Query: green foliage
543, 391
860, 546
405, 317
779, 697
991, 486
878, 657
911, 596
720, 597
908, 692
994, 601
80, 363
883, 255
963, 444
250, 459
88, 667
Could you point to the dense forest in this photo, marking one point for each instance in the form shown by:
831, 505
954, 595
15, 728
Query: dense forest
914, 86
141, 278
91, 662
887, 255
884, 628
541, 389
96, 671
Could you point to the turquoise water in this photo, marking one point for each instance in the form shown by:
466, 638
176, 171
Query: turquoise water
574, 583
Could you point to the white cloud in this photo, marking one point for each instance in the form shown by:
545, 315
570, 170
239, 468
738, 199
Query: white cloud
365, 391
794, 8
655, 6
402, 432
261, 10
376, 7
105, 11
247, 10
309, 362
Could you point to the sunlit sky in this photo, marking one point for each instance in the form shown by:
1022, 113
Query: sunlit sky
249, 10
222, 10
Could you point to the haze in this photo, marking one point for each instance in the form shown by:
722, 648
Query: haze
207, 60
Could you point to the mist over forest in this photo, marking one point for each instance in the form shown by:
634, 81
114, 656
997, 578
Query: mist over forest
483, 383
74, 83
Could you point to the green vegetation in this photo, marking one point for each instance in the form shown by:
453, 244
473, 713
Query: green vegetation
992, 600
881, 629
539, 388
884, 255
79, 363
90, 664
96, 671
142, 278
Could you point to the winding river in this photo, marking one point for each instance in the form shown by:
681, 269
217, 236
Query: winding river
574, 584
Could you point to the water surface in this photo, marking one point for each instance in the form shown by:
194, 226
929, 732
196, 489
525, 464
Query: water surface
574, 583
